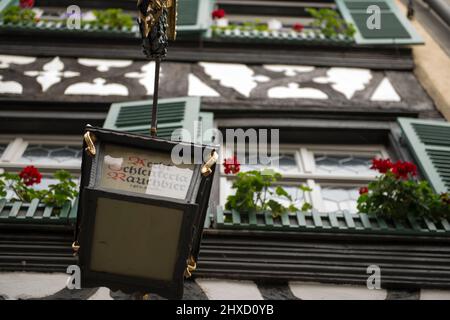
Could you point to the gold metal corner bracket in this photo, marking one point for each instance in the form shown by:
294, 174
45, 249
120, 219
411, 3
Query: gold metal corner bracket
212, 160
75, 247
172, 19
89, 138
191, 266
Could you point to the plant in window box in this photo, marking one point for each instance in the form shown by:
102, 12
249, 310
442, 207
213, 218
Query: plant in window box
219, 18
329, 23
256, 189
112, 18
22, 185
298, 27
18, 15
222, 24
397, 195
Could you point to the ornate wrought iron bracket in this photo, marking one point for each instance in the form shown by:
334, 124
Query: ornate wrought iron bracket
157, 23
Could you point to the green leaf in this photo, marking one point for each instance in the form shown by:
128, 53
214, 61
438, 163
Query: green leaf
305, 188
306, 206
276, 208
280, 191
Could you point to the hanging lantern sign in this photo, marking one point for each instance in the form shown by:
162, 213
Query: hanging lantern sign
141, 213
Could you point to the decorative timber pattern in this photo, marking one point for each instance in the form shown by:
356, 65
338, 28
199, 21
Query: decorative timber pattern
104, 80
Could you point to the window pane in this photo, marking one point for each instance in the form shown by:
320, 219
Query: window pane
52, 154
343, 164
340, 198
283, 163
298, 196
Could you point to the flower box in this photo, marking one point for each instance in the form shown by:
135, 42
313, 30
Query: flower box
334, 222
282, 36
59, 25
85, 30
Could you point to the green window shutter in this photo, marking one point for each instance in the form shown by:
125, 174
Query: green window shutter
395, 27
429, 142
206, 122
194, 17
173, 115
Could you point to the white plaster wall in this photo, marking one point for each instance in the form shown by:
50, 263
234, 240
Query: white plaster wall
385, 92
429, 294
198, 88
293, 90
229, 290
237, 76
346, 80
26, 285
318, 291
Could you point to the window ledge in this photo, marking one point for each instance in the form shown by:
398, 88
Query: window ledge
333, 222
61, 28
37, 213
284, 37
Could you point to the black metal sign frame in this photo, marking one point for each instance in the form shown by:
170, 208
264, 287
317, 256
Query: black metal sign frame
194, 209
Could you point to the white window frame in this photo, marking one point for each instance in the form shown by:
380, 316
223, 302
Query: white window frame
304, 154
17, 145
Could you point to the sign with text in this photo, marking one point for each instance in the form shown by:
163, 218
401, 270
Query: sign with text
145, 172
169, 180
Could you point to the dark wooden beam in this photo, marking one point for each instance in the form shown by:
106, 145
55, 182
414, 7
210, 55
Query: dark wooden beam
309, 108
215, 51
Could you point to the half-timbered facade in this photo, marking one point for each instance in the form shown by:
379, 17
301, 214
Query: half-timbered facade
338, 102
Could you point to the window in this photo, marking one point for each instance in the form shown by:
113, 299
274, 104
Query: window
47, 153
334, 173
288, 12
51, 154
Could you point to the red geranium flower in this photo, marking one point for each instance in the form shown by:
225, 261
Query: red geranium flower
231, 165
382, 165
363, 190
26, 4
402, 169
219, 13
298, 27
30, 175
